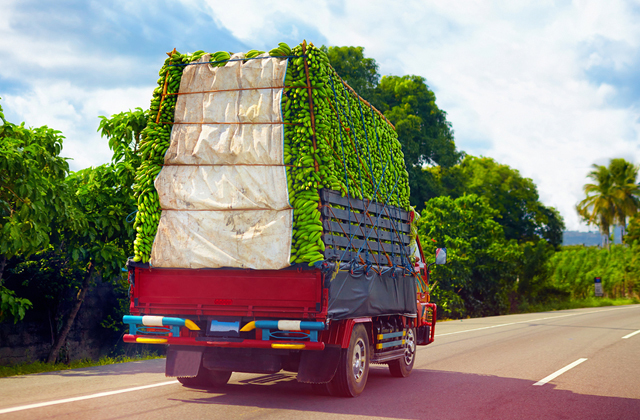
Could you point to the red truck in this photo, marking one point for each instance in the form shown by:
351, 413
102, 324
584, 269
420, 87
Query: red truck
327, 322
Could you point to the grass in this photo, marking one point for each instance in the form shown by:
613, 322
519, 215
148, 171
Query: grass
40, 367
559, 305
591, 302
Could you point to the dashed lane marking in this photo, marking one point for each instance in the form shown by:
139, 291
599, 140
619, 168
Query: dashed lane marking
559, 372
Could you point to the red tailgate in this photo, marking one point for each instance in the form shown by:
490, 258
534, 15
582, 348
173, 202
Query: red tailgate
261, 293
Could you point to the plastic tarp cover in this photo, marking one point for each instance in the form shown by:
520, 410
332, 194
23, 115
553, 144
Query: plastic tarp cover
371, 294
223, 189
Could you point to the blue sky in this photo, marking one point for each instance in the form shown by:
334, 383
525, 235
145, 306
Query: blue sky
547, 87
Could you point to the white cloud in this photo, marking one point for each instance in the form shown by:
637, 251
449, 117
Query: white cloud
74, 111
510, 75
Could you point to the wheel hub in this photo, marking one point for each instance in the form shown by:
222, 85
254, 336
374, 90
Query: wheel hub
410, 347
359, 359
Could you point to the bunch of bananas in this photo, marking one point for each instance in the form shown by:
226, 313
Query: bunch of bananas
333, 139
154, 143
282, 50
253, 53
219, 59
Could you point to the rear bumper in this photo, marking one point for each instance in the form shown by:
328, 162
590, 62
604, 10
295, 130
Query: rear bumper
201, 341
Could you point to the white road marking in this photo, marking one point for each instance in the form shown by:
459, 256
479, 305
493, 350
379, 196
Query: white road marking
559, 372
632, 334
531, 320
85, 397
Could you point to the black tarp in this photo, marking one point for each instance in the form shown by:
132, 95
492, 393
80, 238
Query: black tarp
354, 293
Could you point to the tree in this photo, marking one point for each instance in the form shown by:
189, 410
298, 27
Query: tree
123, 132
519, 210
359, 72
625, 190
102, 246
482, 265
105, 198
423, 130
574, 268
91, 238
612, 197
32, 193
534, 274
598, 207
633, 231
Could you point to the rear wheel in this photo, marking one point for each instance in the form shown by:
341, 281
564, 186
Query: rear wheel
353, 368
207, 378
401, 368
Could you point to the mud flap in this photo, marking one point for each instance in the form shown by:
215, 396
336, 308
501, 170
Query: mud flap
183, 361
319, 367
423, 334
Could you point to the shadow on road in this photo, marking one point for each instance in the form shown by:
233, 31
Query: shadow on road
425, 394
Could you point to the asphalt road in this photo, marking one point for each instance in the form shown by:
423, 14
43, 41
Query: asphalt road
574, 364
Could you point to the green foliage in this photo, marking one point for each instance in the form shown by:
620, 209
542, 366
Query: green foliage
598, 207
519, 210
32, 194
12, 305
359, 72
63, 230
32, 191
633, 230
423, 130
563, 304
625, 189
49, 278
481, 268
124, 131
40, 367
409, 103
612, 197
574, 268
105, 241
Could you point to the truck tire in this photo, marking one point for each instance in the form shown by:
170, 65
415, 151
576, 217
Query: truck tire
353, 368
401, 368
207, 379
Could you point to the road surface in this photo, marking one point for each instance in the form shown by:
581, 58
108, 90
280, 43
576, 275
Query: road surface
575, 364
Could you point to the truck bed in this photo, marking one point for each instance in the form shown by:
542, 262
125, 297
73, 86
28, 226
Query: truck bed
290, 293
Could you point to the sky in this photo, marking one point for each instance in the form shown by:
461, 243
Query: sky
546, 87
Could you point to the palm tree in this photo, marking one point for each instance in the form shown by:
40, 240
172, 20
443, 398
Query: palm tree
612, 197
599, 207
626, 190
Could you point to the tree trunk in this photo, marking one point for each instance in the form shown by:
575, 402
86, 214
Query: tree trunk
68, 323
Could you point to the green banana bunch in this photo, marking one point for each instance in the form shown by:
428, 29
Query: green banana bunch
253, 53
154, 144
356, 150
220, 58
282, 50
332, 139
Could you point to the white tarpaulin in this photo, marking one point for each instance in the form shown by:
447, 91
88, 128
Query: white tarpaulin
223, 189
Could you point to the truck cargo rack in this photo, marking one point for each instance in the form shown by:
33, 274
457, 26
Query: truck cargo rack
379, 231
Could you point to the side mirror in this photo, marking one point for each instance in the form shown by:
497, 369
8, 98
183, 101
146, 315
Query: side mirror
441, 256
